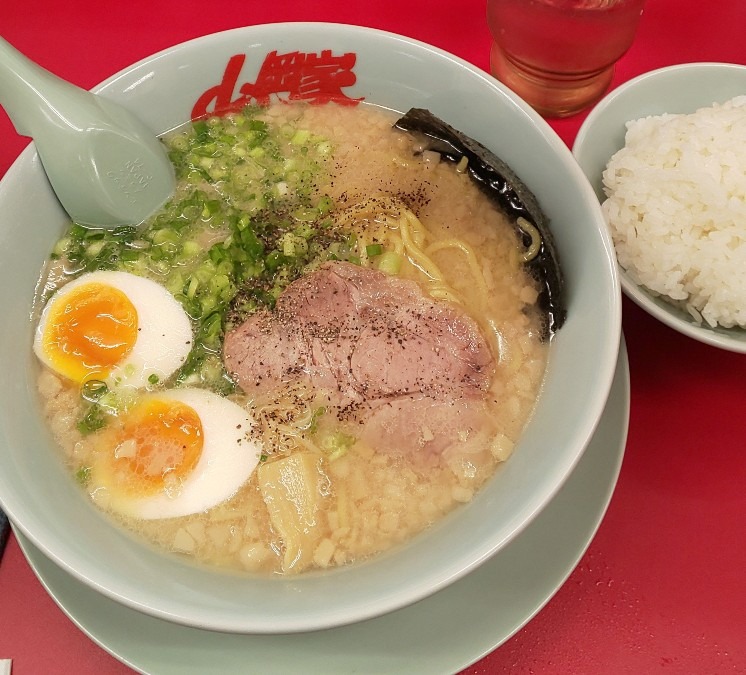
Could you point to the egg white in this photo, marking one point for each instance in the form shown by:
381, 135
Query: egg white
164, 336
227, 461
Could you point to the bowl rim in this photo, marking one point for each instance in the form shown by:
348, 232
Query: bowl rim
453, 571
671, 316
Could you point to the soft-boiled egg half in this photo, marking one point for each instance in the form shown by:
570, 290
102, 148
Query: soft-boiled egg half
173, 453
113, 326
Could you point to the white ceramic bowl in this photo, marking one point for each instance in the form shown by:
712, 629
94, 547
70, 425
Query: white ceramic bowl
675, 89
398, 73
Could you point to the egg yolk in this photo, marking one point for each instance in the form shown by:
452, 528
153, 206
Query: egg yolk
160, 442
89, 331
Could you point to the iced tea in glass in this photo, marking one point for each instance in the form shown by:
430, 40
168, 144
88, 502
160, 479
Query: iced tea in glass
559, 55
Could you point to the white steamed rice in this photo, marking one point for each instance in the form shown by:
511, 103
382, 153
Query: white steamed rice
676, 207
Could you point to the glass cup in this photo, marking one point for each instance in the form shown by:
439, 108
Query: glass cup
559, 55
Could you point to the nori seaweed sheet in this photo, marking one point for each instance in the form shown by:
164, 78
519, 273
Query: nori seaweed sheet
500, 183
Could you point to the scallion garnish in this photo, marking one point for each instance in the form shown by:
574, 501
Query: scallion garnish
372, 250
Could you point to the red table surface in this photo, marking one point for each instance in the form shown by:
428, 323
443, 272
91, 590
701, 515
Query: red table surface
662, 587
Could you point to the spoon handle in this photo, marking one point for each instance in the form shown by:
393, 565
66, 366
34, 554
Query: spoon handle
32, 95
105, 165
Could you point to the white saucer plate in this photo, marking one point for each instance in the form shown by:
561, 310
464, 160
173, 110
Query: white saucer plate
441, 634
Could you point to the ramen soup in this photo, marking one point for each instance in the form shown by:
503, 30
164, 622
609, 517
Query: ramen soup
327, 340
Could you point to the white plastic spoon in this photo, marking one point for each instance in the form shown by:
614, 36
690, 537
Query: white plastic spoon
105, 165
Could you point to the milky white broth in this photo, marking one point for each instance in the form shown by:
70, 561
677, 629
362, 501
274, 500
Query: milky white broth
365, 501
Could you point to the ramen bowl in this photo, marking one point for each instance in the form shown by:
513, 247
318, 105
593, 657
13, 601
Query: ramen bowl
680, 89
396, 73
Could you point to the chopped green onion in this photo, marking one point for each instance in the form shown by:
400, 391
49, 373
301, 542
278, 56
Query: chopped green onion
372, 250
93, 420
300, 137
313, 425
389, 262
336, 444
83, 475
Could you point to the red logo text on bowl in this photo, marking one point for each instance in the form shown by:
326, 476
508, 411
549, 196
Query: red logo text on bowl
296, 76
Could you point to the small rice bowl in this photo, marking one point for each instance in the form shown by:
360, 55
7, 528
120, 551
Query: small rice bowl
676, 207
